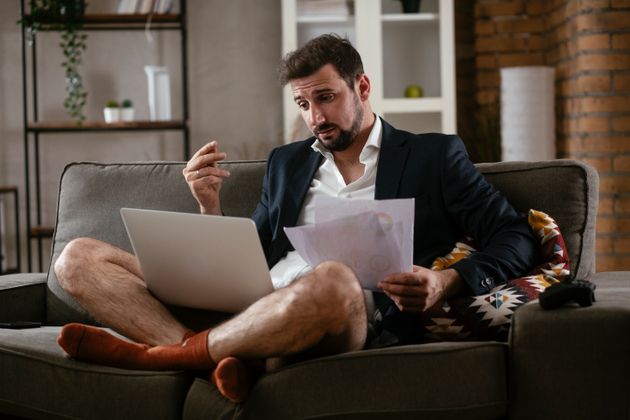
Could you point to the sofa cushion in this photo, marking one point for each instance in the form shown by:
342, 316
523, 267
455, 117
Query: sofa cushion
430, 381
39, 381
91, 195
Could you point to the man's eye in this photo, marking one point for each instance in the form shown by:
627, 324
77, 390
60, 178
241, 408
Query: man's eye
302, 105
327, 97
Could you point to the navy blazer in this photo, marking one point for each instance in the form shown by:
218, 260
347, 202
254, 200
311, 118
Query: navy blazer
452, 200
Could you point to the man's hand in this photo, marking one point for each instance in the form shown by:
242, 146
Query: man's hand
204, 178
418, 291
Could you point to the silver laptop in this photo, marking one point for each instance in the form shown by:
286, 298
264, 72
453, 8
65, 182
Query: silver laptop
199, 261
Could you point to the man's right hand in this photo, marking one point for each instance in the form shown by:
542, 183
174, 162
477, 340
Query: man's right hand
204, 178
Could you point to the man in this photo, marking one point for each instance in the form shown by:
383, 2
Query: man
321, 310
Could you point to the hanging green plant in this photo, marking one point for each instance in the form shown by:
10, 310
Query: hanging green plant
64, 16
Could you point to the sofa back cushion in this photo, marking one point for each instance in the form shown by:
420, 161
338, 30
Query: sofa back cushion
91, 195
566, 190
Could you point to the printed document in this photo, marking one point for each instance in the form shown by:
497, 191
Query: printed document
373, 237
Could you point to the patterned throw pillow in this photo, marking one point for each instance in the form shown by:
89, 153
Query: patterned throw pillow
488, 317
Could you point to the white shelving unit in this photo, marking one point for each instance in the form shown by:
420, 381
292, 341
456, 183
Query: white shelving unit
398, 50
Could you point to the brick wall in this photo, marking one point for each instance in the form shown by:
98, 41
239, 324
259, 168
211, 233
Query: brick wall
588, 42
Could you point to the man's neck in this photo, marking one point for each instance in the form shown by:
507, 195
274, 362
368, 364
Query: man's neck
351, 155
348, 161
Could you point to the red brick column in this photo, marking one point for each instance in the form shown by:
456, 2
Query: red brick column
591, 52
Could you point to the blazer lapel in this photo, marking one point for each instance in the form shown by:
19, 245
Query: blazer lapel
392, 160
301, 176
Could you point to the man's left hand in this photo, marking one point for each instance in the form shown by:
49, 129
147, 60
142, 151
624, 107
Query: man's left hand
421, 289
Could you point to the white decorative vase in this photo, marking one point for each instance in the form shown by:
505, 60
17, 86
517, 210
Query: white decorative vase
528, 119
159, 93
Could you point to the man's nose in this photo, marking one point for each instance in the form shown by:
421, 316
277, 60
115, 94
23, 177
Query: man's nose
317, 116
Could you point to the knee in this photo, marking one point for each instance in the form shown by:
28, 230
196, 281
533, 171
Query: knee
336, 285
75, 258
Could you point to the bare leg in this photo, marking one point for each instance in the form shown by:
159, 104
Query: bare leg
323, 312
108, 283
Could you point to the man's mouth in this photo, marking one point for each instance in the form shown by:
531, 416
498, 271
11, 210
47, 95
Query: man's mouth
323, 131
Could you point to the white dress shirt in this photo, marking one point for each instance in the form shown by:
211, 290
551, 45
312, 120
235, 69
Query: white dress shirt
329, 181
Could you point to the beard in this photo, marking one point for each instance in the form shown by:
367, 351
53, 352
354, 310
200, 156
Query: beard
346, 137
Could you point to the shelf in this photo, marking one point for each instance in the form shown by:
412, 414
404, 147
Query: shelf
42, 232
72, 126
412, 105
8, 189
118, 21
37, 128
410, 17
316, 20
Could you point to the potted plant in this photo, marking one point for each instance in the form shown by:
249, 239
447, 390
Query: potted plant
126, 111
111, 112
65, 16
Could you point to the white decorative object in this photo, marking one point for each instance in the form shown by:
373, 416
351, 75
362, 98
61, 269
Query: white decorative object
527, 113
159, 93
111, 114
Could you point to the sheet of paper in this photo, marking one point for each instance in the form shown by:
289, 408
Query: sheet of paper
389, 211
368, 237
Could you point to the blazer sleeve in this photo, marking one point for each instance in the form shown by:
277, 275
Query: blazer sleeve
506, 244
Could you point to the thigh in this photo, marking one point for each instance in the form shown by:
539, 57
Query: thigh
93, 255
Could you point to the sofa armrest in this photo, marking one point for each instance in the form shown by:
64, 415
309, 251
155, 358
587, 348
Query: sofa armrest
573, 362
23, 297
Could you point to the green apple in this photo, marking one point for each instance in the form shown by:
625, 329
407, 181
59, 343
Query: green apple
414, 91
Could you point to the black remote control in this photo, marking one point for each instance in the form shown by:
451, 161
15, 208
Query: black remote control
580, 291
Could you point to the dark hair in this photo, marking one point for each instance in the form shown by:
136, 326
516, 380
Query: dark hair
316, 53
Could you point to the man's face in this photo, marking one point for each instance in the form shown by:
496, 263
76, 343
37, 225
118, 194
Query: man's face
331, 110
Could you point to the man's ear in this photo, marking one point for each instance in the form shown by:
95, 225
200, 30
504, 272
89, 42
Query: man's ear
363, 85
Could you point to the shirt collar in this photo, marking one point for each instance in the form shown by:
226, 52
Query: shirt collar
372, 145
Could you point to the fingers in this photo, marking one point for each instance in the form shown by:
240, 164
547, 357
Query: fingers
207, 173
411, 292
206, 160
403, 284
403, 290
412, 305
203, 163
205, 149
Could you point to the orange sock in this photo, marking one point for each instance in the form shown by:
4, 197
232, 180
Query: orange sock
84, 342
234, 378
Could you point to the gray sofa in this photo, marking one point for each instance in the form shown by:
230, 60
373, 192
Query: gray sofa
569, 363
